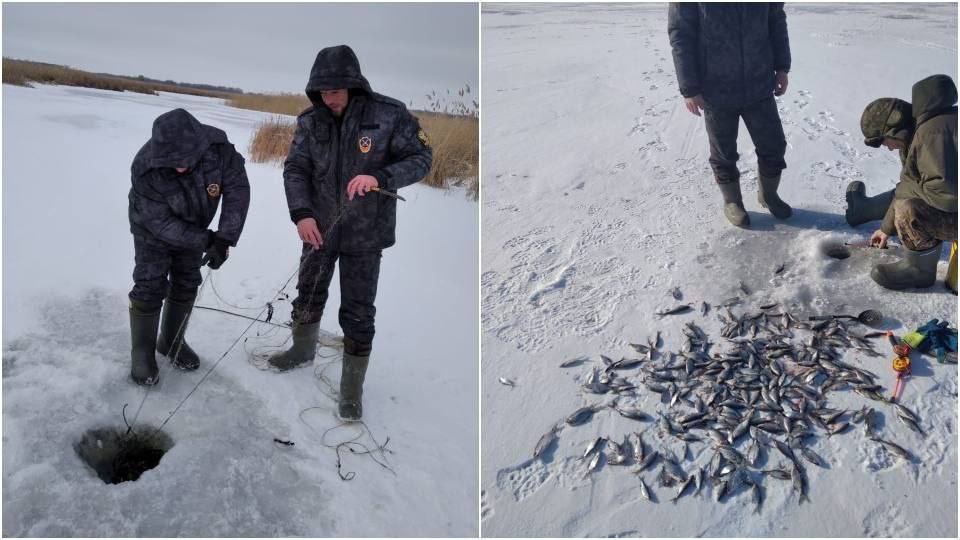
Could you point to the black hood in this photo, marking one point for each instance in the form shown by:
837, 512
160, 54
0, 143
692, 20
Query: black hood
178, 140
335, 68
933, 96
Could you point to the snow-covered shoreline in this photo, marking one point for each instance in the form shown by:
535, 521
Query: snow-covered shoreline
67, 261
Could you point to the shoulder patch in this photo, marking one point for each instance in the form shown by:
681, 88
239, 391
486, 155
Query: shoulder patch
422, 136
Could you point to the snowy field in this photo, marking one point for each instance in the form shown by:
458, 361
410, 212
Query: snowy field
598, 201
67, 262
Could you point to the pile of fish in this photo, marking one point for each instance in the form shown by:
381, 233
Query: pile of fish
767, 392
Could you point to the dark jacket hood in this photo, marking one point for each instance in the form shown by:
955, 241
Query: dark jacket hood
933, 96
335, 68
178, 140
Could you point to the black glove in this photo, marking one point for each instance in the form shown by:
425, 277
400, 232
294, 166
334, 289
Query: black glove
217, 252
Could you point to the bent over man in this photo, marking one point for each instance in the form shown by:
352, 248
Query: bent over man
179, 177
731, 60
924, 209
351, 143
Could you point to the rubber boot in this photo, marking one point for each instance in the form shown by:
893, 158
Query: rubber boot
173, 330
767, 195
916, 269
143, 340
302, 351
861, 209
356, 357
733, 204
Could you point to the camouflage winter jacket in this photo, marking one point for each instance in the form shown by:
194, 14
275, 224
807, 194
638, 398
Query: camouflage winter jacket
930, 171
377, 136
728, 52
174, 210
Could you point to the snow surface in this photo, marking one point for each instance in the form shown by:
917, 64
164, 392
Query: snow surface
67, 262
598, 200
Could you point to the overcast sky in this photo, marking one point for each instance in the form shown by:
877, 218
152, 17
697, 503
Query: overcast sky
405, 50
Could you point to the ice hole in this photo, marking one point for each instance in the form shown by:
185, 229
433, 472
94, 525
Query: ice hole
117, 456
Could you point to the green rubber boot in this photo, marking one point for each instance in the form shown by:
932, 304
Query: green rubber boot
733, 204
143, 339
767, 195
862, 209
916, 269
356, 357
303, 350
173, 330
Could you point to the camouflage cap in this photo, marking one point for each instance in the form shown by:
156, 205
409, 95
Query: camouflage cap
885, 117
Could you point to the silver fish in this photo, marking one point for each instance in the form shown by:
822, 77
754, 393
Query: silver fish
649, 460
813, 457
545, 441
800, 484
683, 308
683, 487
580, 416
592, 446
644, 492
574, 362
507, 382
594, 463
894, 448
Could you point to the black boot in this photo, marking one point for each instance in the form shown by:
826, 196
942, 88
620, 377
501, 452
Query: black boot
143, 339
356, 357
173, 329
861, 209
302, 351
769, 199
733, 204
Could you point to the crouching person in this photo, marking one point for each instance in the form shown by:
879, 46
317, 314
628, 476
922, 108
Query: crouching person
349, 144
924, 209
179, 177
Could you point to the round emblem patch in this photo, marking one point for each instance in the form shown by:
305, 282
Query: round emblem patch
213, 190
365, 144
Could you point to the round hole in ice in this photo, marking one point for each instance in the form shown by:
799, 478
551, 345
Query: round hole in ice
117, 456
836, 250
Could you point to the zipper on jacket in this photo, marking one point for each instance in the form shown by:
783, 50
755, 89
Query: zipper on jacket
743, 69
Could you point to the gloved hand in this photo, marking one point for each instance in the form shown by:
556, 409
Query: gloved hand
217, 252
939, 339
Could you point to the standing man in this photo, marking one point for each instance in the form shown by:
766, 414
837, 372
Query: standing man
924, 209
350, 143
731, 60
179, 177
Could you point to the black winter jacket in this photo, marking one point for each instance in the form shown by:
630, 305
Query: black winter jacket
376, 136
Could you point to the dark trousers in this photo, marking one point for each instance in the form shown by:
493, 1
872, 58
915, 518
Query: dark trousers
766, 131
359, 273
160, 273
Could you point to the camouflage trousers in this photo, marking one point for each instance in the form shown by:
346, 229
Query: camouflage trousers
921, 226
359, 273
160, 273
766, 131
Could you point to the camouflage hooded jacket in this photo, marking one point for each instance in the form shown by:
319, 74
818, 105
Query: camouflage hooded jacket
930, 170
174, 210
728, 52
376, 136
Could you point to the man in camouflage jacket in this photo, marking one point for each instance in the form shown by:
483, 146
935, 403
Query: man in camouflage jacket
178, 179
731, 60
924, 209
349, 145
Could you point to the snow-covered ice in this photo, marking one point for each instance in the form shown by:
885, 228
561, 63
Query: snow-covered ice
598, 200
67, 263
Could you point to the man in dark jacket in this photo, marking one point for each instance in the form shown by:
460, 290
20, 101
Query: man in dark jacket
886, 122
924, 209
731, 60
179, 177
351, 142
